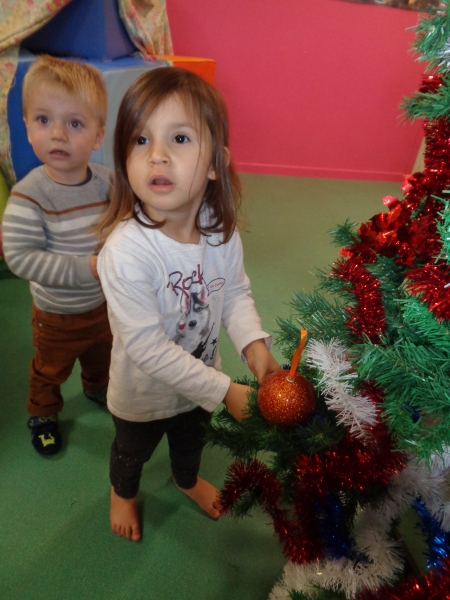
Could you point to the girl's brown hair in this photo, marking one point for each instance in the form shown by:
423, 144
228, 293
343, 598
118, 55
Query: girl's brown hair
223, 194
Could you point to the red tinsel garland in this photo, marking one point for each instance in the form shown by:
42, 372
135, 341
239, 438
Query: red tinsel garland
378, 434
299, 544
429, 283
367, 316
407, 233
350, 467
435, 586
402, 234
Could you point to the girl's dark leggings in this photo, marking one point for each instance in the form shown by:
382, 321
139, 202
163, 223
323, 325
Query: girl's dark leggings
135, 442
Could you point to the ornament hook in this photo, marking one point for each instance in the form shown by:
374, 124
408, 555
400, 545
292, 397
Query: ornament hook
297, 355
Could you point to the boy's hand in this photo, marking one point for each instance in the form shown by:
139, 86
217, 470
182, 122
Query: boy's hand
236, 400
260, 362
93, 260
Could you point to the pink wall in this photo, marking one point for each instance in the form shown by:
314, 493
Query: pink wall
312, 86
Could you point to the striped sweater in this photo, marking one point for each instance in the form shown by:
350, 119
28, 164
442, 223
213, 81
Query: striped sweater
48, 239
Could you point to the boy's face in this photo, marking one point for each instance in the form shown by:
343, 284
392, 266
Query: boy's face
63, 131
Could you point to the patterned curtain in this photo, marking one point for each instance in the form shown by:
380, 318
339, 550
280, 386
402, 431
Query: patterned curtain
145, 20
147, 25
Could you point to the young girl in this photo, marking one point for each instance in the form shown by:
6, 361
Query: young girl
172, 270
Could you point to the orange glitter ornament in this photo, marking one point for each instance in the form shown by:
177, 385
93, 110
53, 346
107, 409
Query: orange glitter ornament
283, 401
286, 397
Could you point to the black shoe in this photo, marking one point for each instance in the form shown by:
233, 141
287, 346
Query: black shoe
98, 396
45, 435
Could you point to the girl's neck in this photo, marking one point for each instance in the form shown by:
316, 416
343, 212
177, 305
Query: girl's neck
180, 227
181, 234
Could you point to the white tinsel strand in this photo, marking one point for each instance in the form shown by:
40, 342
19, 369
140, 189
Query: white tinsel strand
417, 479
435, 488
343, 575
355, 412
444, 57
295, 577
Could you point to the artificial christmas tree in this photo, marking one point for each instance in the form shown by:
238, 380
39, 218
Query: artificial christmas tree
378, 356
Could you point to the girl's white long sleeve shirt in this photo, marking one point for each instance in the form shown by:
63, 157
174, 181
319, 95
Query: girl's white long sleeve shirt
166, 301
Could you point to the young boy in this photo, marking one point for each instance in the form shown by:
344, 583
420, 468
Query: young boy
48, 237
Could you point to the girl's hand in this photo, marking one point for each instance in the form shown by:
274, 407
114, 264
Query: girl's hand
236, 400
260, 362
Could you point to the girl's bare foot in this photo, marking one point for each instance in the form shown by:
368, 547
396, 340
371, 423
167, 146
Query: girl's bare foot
206, 496
124, 517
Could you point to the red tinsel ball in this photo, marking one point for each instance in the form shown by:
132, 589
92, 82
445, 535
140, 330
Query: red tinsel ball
285, 402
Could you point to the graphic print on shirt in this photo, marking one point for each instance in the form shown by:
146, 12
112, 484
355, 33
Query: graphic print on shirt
194, 326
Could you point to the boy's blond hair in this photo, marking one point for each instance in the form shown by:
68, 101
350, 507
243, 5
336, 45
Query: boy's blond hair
80, 79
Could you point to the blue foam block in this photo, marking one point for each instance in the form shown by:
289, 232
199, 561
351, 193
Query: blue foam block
83, 28
117, 74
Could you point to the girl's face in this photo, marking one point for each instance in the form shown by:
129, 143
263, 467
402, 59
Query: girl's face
170, 164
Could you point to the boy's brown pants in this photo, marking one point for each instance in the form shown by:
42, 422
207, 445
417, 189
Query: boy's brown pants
59, 340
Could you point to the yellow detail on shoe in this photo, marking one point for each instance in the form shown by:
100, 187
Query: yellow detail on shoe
46, 441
